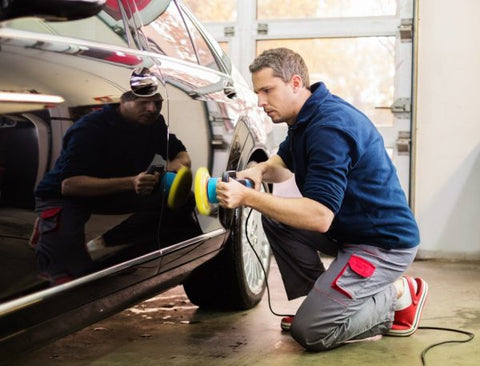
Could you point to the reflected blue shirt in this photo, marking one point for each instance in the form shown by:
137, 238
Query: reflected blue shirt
339, 159
102, 144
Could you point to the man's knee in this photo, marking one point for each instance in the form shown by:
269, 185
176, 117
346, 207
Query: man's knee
319, 324
314, 338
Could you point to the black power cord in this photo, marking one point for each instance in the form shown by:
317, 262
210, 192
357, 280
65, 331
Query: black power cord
424, 351
263, 269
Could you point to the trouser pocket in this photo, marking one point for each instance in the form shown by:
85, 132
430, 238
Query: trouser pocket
353, 276
49, 220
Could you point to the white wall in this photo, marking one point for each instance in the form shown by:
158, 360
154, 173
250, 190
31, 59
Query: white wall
447, 159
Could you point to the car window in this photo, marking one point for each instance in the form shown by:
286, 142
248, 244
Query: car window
205, 55
165, 34
163, 28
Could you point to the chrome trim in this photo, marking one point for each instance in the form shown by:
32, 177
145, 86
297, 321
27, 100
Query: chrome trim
186, 243
17, 304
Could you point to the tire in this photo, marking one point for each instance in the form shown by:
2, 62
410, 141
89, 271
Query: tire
234, 279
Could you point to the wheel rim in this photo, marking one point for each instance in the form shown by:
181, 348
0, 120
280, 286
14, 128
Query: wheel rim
254, 274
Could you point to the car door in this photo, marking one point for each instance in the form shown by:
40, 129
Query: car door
199, 110
57, 73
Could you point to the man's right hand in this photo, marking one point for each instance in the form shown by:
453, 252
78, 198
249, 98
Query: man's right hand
144, 183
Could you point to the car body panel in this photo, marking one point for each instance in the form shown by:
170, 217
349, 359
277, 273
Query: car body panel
209, 107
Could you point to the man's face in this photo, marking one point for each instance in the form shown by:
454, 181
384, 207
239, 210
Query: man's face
275, 96
143, 111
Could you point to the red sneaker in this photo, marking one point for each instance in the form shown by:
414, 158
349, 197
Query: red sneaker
286, 323
406, 320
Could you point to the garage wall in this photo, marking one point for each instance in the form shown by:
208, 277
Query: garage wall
447, 158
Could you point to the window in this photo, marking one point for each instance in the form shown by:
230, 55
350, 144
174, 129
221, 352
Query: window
167, 35
225, 46
273, 9
361, 70
214, 10
172, 33
361, 49
205, 56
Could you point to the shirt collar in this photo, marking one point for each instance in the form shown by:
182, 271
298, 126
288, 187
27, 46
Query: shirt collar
313, 104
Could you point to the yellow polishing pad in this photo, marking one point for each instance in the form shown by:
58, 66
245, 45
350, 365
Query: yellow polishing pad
200, 191
180, 188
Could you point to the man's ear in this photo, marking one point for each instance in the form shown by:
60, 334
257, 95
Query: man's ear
297, 82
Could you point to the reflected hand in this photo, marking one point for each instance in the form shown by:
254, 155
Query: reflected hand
144, 183
174, 165
182, 159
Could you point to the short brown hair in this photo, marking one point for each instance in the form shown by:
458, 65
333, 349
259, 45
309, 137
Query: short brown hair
284, 62
129, 96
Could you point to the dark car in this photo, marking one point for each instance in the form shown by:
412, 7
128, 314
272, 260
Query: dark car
61, 60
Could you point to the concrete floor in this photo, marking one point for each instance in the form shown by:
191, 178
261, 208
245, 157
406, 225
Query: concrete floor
168, 330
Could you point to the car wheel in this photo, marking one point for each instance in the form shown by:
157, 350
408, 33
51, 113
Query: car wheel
234, 279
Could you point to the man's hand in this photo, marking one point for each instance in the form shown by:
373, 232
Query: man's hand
231, 194
144, 183
174, 165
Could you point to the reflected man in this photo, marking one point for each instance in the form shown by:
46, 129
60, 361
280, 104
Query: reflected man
101, 169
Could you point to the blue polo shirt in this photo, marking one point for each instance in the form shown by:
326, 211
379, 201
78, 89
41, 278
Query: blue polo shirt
102, 144
339, 159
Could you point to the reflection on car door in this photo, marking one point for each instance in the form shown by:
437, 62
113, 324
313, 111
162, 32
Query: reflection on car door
200, 109
87, 76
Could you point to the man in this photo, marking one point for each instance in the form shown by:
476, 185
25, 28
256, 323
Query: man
352, 207
102, 169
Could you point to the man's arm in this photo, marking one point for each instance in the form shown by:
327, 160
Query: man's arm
143, 184
301, 213
86, 186
273, 170
181, 159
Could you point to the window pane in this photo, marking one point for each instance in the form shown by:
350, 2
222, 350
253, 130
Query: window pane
359, 70
274, 9
225, 47
167, 35
213, 10
205, 55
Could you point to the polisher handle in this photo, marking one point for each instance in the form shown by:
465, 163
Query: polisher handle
155, 168
205, 188
233, 174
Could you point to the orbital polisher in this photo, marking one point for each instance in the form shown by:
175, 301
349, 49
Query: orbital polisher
205, 188
177, 185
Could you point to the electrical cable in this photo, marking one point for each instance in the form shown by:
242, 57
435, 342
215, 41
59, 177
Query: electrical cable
424, 351
263, 270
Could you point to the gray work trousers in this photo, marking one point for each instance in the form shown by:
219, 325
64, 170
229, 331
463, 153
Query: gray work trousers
353, 299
